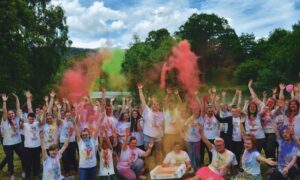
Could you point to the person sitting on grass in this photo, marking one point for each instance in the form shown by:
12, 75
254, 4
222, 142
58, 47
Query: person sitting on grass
177, 157
223, 161
130, 165
51, 163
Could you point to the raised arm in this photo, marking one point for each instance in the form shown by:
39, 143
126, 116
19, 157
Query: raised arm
43, 146
239, 104
274, 93
281, 92
95, 135
223, 97
17, 104
265, 97
77, 132
66, 143
179, 100
234, 99
142, 97
252, 92
167, 98
4, 114
205, 140
52, 94
148, 151
242, 128
28, 101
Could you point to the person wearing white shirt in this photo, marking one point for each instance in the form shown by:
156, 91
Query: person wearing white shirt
87, 151
10, 130
32, 145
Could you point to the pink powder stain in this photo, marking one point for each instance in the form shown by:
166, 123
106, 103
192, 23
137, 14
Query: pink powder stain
185, 61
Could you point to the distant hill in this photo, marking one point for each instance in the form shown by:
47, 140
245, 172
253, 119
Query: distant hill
73, 51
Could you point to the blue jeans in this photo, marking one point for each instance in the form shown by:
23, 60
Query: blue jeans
87, 173
193, 149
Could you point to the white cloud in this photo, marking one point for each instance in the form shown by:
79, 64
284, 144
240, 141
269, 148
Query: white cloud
119, 26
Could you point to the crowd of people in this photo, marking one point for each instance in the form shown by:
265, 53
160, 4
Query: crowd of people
92, 138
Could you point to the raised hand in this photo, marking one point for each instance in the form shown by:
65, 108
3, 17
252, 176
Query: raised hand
250, 83
151, 144
41, 135
4, 97
223, 93
46, 98
28, 94
52, 94
59, 106
176, 92
15, 95
214, 89
281, 86
169, 90
140, 85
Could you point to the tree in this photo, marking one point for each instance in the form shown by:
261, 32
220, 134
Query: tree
33, 41
213, 40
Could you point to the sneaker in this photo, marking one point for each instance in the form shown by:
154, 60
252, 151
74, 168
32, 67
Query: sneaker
23, 174
12, 177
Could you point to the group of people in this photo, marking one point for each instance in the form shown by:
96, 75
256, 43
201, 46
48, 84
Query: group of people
118, 141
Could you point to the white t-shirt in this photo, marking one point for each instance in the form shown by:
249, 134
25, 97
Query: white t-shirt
153, 123
87, 153
221, 163
192, 134
250, 163
31, 134
11, 136
64, 131
236, 132
51, 134
266, 121
210, 127
297, 125
106, 163
173, 159
129, 156
121, 130
255, 127
109, 123
172, 121
51, 168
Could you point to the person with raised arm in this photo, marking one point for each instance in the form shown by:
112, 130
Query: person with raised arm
32, 145
192, 136
10, 130
172, 119
87, 150
222, 162
153, 124
287, 153
130, 164
69, 155
251, 158
51, 159
106, 163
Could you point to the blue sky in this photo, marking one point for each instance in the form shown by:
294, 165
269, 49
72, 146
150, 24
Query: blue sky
112, 23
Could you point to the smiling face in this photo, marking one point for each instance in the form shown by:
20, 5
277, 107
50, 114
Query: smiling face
10, 115
220, 146
155, 105
85, 134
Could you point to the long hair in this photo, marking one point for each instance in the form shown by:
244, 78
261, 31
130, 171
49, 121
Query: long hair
134, 121
288, 111
252, 138
248, 109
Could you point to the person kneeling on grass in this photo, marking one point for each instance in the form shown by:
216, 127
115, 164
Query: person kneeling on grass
223, 161
177, 157
51, 164
130, 164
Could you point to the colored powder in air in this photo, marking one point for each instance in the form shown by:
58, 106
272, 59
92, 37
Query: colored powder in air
112, 68
80, 79
185, 62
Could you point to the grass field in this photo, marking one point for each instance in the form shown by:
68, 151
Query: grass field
4, 174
